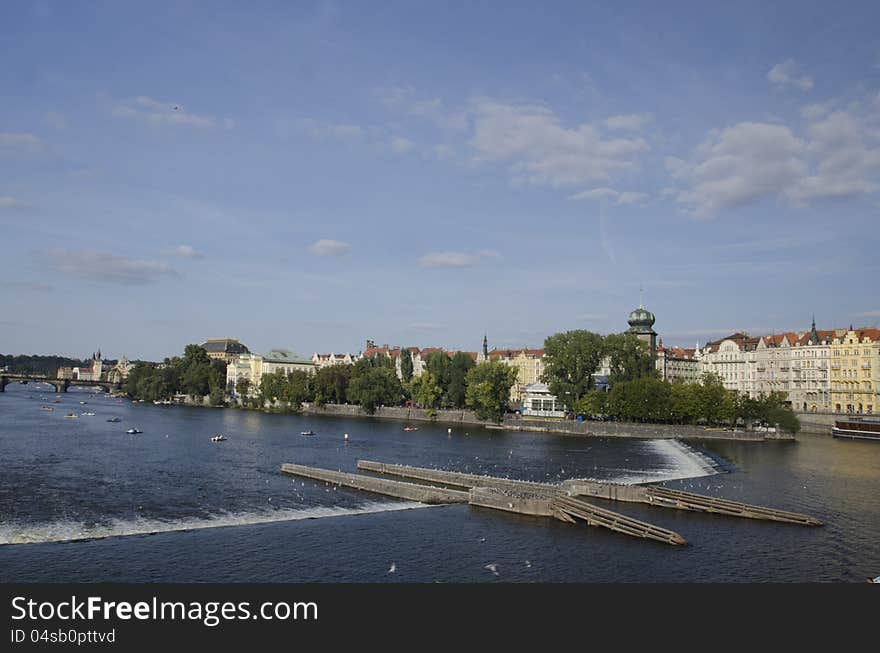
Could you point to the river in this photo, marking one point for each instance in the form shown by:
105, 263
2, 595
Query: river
81, 500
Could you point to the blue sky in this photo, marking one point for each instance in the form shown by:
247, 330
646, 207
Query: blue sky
311, 175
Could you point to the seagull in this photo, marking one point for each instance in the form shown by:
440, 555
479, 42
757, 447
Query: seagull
482, 539
528, 563
393, 568
492, 567
175, 108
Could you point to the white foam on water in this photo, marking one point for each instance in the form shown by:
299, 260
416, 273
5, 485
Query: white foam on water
677, 461
67, 531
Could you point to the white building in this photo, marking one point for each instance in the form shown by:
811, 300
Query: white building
538, 402
254, 366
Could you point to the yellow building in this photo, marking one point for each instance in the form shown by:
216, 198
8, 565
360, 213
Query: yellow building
254, 367
855, 371
529, 364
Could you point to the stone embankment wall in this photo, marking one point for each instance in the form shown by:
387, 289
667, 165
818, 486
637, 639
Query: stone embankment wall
586, 428
817, 422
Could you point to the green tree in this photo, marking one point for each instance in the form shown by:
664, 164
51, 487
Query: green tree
438, 364
488, 389
710, 398
297, 389
594, 402
377, 386
406, 365
456, 391
331, 384
425, 391
629, 358
570, 360
684, 402
243, 386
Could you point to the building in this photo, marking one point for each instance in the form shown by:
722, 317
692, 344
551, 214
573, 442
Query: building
529, 364
732, 359
225, 349
91, 372
326, 360
419, 356
641, 324
538, 402
678, 365
119, 372
854, 363
254, 366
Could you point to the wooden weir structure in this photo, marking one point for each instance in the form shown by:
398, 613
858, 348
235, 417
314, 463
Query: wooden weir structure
564, 501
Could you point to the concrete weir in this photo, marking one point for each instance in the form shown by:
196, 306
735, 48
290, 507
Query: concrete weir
500, 494
654, 495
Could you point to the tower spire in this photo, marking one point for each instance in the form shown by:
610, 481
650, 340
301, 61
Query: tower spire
485, 345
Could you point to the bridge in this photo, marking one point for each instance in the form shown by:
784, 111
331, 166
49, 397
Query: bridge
61, 385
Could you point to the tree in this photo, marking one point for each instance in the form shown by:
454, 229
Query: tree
374, 387
456, 391
243, 386
406, 365
297, 389
710, 398
438, 364
426, 392
594, 402
488, 389
570, 360
331, 384
684, 402
629, 358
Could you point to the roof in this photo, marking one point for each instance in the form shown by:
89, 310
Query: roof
224, 345
285, 356
513, 353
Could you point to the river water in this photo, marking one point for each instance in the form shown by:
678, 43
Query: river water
81, 500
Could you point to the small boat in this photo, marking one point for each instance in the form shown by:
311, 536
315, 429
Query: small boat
113, 419
83, 402
56, 401
307, 432
219, 438
875, 580
88, 414
72, 415
46, 408
133, 431
410, 428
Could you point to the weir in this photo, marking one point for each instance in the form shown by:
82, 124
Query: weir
500, 494
654, 495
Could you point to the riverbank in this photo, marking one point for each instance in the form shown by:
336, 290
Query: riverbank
567, 427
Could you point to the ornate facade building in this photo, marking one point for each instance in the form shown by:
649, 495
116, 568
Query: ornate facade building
225, 349
254, 366
855, 377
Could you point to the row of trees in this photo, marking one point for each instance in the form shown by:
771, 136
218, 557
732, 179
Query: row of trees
637, 392
447, 382
194, 374
708, 402
40, 365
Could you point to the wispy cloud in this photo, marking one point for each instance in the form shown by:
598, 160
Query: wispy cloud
628, 122
324, 130
455, 259
327, 247
624, 197
868, 314
424, 326
406, 100
20, 142
401, 145
174, 114
96, 266
187, 251
784, 74
34, 286
541, 151
7, 202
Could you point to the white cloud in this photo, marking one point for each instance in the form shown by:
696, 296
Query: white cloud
542, 152
784, 74
187, 251
406, 100
869, 314
424, 326
327, 247
625, 197
628, 122
401, 145
56, 120
738, 165
444, 152
20, 142
11, 203
455, 259
327, 130
96, 266
165, 113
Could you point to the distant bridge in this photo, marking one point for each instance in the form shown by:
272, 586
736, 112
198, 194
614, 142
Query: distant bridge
61, 385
